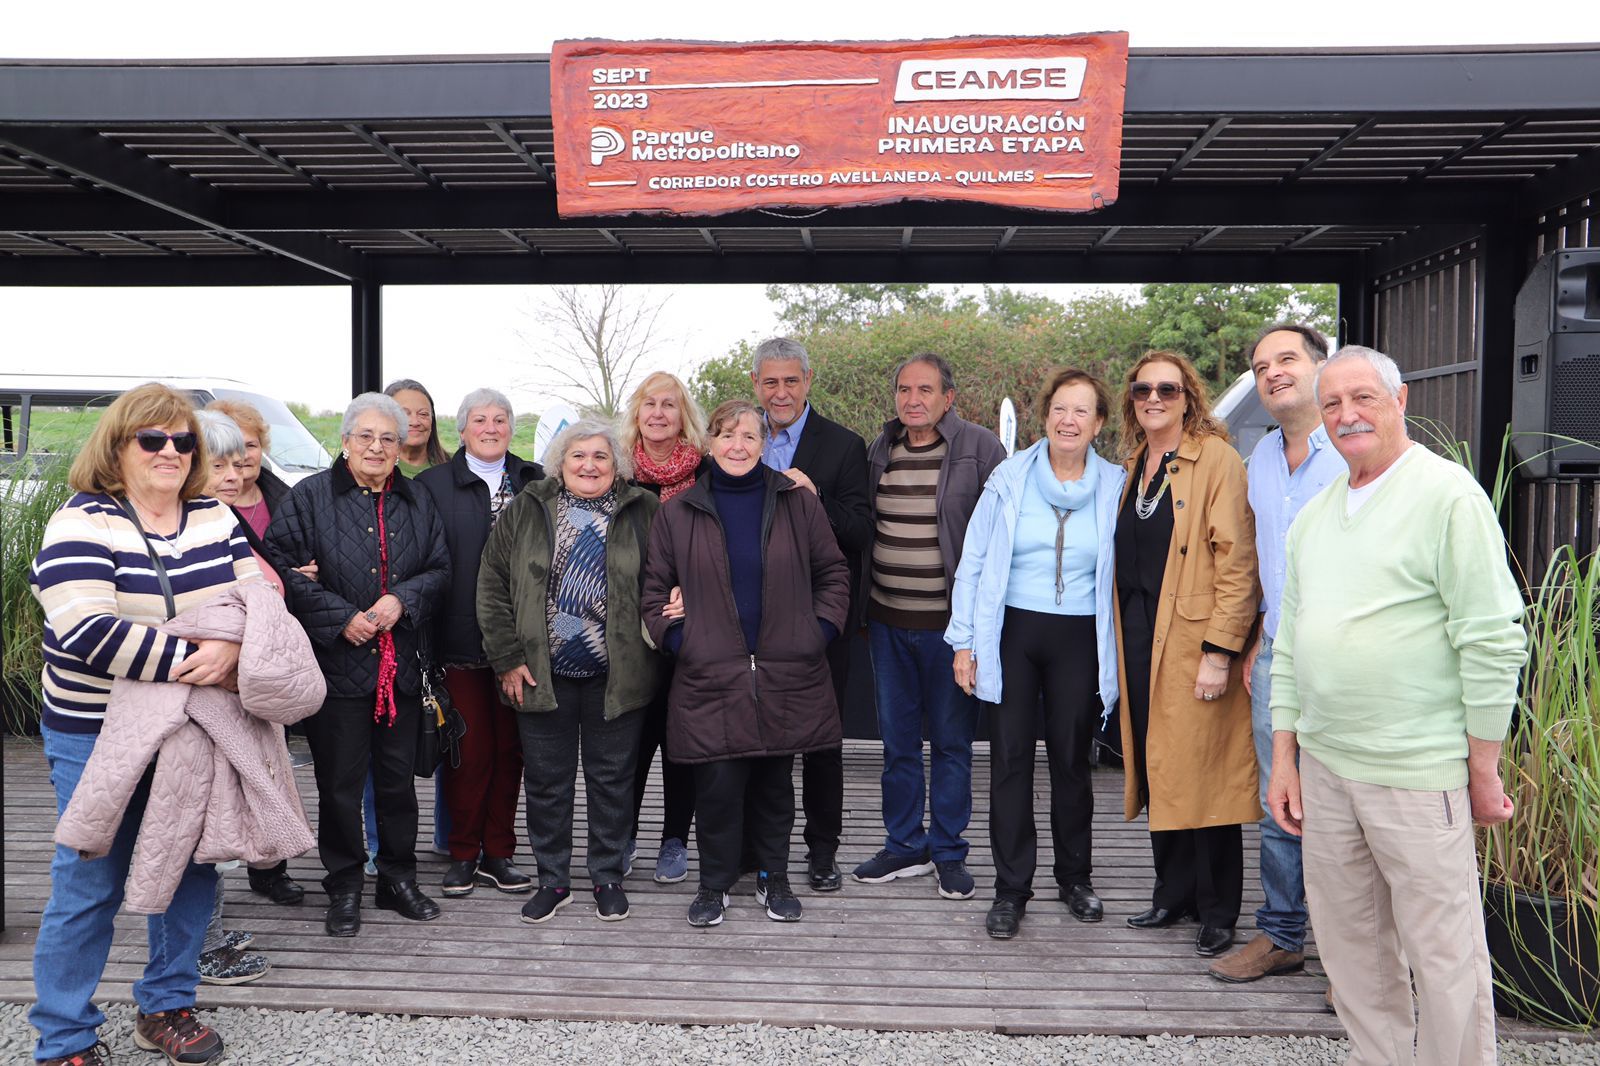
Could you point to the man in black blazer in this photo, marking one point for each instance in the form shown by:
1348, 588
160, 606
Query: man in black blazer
831, 461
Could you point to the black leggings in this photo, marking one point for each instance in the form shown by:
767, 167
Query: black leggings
1055, 655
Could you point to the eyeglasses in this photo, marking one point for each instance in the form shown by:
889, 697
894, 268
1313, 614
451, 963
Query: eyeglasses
364, 440
153, 440
1166, 390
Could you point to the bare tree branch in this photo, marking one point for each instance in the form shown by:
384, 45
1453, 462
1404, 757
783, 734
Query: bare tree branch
590, 341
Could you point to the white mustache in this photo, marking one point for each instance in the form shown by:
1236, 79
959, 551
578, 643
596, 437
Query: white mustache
1355, 427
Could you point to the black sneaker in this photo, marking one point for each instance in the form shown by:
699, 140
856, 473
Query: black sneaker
545, 903
460, 878
1004, 918
610, 902
886, 866
954, 880
707, 907
773, 893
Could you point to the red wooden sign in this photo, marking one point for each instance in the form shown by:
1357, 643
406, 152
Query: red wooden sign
674, 128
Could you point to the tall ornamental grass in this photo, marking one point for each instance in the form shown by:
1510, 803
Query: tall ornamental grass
32, 490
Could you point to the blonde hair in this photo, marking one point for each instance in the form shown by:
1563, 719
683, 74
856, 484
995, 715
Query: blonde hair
1198, 421
98, 467
693, 428
248, 419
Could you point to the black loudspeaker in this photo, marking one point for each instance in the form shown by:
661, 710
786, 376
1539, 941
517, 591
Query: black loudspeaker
1556, 382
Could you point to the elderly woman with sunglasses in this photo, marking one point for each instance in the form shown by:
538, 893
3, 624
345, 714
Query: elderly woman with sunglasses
136, 544
382, 574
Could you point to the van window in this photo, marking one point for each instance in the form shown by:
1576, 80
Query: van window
293, 447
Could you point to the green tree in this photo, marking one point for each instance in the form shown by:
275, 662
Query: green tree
1214, 325
805, 309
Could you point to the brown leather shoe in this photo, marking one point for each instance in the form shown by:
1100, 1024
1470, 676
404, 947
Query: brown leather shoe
1257, 959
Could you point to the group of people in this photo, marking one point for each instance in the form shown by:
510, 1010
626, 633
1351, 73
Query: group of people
1333, 637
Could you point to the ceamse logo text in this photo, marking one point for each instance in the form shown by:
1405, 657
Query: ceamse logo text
1048, 78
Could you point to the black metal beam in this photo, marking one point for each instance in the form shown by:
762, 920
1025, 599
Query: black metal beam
1206, 238
94, 158
1333, 149
1573, 180
154, 271
1501, 273
511, 142
366, 337
1013, 267
265, 154
1471, 146
1355, 301
1307, 237
394, 154
1303, 204
1199, 145
1418, 245
413, 235
513, 235
510, 87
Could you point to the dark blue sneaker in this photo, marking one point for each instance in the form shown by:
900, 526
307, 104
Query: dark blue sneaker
954, 880
773, 893
707, 907
886, 866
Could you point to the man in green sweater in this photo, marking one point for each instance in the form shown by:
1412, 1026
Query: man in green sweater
1393, 679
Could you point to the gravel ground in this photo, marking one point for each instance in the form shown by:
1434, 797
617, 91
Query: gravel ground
278, 1038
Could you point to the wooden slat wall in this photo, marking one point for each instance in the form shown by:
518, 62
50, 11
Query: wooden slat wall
1426, 319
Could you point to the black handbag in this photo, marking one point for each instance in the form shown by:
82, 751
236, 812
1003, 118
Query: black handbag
442, 727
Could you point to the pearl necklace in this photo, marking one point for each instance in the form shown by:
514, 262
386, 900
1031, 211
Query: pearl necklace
1145, 508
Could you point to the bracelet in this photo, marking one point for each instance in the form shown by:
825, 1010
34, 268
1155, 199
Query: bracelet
1223, 665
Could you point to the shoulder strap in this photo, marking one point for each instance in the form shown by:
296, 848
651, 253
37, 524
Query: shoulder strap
155, 560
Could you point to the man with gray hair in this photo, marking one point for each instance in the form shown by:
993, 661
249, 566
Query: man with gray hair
928, 467
829, 460
1394, 675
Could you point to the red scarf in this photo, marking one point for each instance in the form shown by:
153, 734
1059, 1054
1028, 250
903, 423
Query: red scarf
674, 474
387, 666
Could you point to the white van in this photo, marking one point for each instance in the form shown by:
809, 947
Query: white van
45, 413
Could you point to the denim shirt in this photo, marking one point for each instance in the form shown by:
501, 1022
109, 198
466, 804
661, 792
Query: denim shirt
780, 449
1276, 496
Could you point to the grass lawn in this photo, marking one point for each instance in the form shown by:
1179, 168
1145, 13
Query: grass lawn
326, 429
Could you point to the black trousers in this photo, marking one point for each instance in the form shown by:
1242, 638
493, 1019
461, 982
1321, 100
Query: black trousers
1197, 870
677, 779
1055, 655
822, 772
553, 742
343, 738
746, 807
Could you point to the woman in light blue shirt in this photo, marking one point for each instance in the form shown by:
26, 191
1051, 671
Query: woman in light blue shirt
1031, 613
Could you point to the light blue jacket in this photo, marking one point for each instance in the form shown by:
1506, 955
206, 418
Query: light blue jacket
978, 599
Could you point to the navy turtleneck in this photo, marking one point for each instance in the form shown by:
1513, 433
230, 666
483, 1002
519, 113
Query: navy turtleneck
738, 501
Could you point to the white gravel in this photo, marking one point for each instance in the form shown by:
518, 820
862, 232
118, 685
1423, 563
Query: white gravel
280, 1038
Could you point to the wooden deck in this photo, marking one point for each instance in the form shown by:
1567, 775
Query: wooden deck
893, 956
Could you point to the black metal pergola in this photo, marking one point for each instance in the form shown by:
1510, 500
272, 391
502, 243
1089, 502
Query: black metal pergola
1422, 181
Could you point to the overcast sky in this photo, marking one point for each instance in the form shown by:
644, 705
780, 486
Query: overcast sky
295, 342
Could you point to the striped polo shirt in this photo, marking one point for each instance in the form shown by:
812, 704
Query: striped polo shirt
909, 590
102, 599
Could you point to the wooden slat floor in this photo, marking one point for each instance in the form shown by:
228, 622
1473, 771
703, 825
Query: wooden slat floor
894, 957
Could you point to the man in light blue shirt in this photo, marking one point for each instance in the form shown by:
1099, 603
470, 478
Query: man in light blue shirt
1291, 465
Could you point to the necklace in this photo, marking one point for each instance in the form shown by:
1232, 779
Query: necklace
1143, 507
1062, 514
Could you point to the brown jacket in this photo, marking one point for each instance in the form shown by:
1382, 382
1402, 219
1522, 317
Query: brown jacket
1202, 759
726, 703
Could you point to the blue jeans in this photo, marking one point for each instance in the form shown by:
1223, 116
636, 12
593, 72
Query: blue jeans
912, 676
1283, 916
75, 931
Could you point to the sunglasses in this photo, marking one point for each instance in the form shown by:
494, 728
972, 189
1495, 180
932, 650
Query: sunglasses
153, 440
1166, 390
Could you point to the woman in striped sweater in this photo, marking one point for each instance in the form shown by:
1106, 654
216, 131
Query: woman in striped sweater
135, 545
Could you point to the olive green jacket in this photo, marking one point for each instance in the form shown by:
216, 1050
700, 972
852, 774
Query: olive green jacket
513, 584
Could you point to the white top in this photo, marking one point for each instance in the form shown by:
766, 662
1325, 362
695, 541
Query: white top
1355, 498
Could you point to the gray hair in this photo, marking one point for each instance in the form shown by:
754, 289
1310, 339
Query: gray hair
482, 398
375, 401
224, 439
583, 429
780, 348
947, 379
1388, 370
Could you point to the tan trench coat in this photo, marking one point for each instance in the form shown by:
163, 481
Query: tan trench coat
1202, 759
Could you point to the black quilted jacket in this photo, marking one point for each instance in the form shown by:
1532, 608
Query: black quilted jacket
329, 517
462, 499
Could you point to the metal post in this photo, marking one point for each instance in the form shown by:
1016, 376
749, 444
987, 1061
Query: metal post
366, 337
1355, 301
1502, 271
